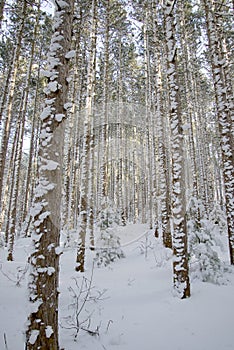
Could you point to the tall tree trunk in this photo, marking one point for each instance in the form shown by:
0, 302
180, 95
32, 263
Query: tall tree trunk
106, 110
148, 103
8, 195
42, 331
225, 117
15, 185
71, 180
84, 185
30, 173
180, 264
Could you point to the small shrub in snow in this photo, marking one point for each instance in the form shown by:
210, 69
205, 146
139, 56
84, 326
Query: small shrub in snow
110, 251
145, 245
204, 244
161, 254
108, 216
218, 217
109, 242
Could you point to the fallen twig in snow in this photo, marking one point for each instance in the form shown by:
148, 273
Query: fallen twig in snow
21, 272
5, 341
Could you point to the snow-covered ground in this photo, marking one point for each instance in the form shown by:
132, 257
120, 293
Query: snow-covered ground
131, 304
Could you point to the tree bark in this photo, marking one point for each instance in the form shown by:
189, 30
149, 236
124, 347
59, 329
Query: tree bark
180, 264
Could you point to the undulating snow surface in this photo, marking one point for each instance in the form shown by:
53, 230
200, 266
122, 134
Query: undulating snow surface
131, 302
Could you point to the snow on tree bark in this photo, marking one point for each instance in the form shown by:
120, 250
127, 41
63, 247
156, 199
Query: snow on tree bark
44, 260
180, 263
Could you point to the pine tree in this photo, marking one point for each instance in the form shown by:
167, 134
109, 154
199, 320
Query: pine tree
108, 220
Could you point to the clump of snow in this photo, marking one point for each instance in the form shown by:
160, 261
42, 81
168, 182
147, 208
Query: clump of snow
49, 164
63, 4
46, 73
41, 218
69, 79
59, 250
50, 270
55, 47
33, 336
67, 105
45, 113
59, 117
52, 86
42, 188
53, 62
50, 247
36, 209
70, 54
35, 305
49, 101
49, 331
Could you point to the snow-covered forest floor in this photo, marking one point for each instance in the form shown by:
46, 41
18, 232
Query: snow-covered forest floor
130, 305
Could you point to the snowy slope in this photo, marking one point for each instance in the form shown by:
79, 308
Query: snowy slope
137, 309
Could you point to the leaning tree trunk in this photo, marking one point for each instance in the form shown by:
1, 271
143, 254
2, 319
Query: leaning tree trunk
42, 331
180, 264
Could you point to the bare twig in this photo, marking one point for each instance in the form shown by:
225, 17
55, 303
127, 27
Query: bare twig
80, 319
108, 325
21, 272
5, 341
